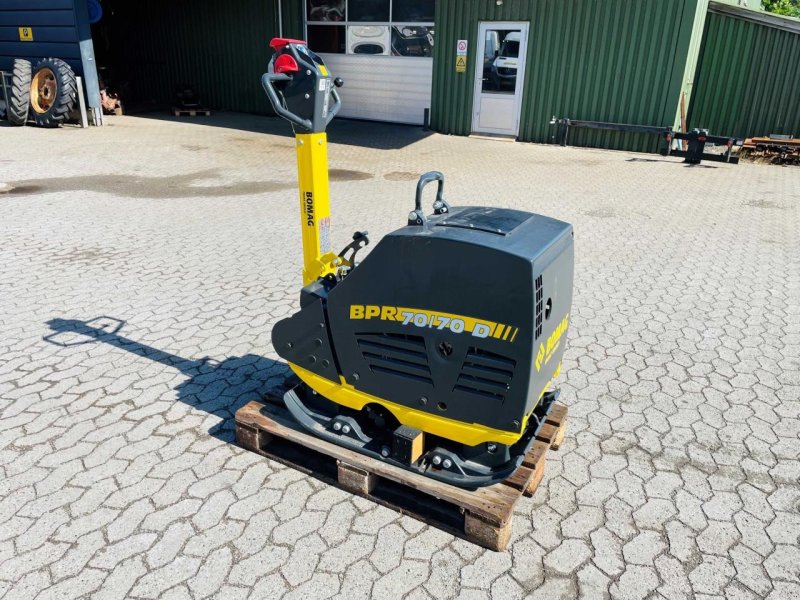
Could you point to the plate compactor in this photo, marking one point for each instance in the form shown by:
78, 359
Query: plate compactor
436, 352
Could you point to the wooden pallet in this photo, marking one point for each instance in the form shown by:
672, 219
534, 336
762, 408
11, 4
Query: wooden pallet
483, 516
190, 112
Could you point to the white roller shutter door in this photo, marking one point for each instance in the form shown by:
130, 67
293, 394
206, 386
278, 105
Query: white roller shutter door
383, 88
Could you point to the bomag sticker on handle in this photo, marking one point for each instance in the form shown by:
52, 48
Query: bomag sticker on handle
428, 319
548, 349
309, 208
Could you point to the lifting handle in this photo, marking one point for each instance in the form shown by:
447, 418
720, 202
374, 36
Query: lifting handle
440, 206
427, 178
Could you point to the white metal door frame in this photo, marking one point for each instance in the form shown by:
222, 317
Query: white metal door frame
483, 26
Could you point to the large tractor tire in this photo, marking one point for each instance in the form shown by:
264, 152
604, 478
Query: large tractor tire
53, 92
19, 93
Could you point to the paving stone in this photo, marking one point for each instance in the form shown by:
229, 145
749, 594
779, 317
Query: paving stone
784, 589
159, 520
643, 549
203, 543
654, 514
256, 533
110, 555
636, 582
71, 531
426, 544
402, 579
271, 586
784, 563
120, 581
302, 563
42, 530
712, 575
592, 582
74, 561
675, 583
28, 586
79, 586
445, 574
338, 558
158, 581
388, 548
717, 538
357, 582
211, 574
127, 522
750, 570
167, 548
567, 557
581, 523
247, 571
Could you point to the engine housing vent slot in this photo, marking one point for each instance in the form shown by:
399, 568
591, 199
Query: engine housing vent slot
539, 307
396, 354
486, 374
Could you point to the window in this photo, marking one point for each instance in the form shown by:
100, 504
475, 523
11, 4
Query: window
368, 11
325, 10
374, 27
323, 38
412, 40
411, 11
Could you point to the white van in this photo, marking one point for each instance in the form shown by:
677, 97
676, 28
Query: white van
504, 66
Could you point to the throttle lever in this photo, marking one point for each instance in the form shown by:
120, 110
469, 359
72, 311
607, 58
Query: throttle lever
360, 239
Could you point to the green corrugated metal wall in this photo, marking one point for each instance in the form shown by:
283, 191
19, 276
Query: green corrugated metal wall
748, 80
221, 50
623, 61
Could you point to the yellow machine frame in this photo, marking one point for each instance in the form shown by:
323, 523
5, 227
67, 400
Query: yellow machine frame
315, 206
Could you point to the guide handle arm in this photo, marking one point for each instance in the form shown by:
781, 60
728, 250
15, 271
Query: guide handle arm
267, 82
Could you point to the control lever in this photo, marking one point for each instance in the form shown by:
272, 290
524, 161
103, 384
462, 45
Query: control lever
360, 239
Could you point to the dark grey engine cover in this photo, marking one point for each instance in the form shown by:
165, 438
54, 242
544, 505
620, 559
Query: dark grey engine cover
497, 265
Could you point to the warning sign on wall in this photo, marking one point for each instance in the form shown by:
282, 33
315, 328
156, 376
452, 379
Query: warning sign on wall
25, 34
461, 64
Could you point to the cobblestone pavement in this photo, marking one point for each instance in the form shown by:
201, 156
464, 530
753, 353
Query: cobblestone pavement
679, 474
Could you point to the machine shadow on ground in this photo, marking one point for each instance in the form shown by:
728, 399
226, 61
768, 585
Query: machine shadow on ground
218, 388
350, 132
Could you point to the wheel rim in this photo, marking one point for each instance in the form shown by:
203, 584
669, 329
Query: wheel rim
43, 90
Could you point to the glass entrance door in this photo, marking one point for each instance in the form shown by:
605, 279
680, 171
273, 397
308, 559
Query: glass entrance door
499, 76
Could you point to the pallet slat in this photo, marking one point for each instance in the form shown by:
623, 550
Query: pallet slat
483, 516
190, 112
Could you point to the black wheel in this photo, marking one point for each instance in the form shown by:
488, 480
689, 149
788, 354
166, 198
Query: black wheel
19, 93
53, 92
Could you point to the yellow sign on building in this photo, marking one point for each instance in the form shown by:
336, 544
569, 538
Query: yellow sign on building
461, 64
25, 34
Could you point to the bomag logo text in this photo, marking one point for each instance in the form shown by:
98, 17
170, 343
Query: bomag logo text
416, 317
309, 209
548, 348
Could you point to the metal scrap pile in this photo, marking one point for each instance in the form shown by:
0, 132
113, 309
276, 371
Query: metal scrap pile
778, 149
